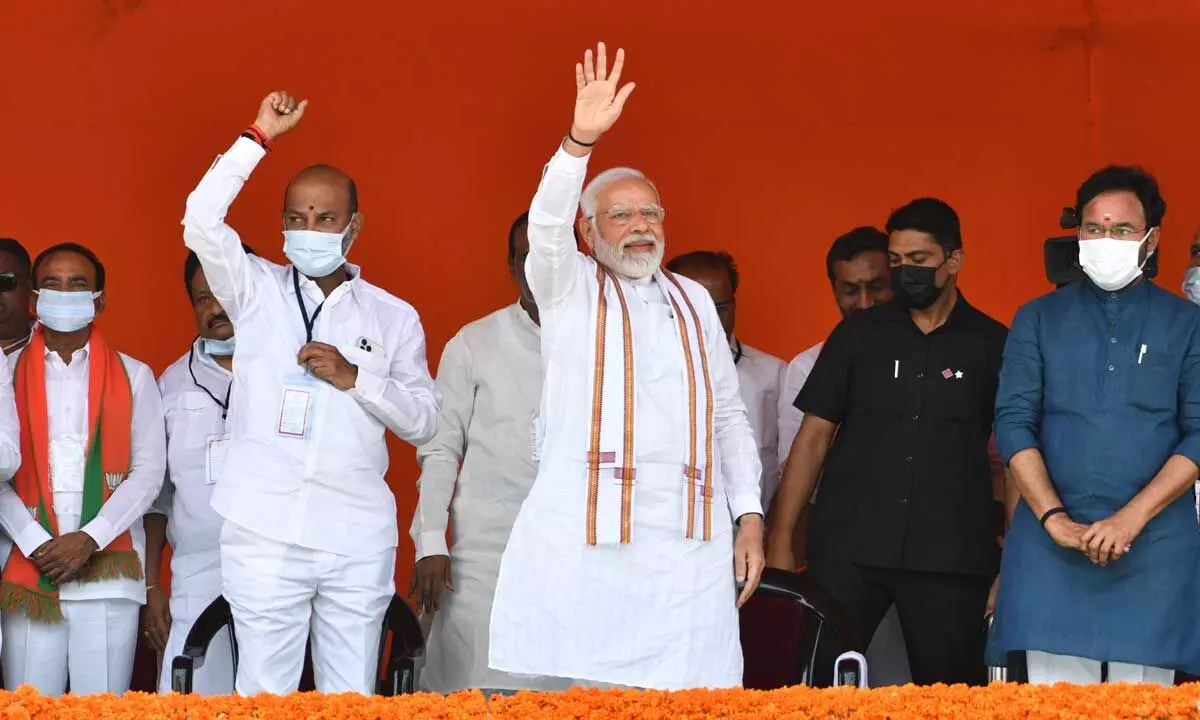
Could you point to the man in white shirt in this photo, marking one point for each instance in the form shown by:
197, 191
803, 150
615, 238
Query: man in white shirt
95, 456
326, 364
476, 472
622, 563
195, 393
16, 325
759, 374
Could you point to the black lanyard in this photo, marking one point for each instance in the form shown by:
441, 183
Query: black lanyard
223, 405
309, 323
737, 355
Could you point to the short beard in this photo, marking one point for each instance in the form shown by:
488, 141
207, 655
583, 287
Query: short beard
632, 265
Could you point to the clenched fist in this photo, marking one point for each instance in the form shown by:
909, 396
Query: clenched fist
278, 113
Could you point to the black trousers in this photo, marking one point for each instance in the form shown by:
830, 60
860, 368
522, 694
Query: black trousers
941, 617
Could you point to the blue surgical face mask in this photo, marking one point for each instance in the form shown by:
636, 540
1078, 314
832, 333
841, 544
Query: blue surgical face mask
316, 254
66, 310
1191, 284
219, 348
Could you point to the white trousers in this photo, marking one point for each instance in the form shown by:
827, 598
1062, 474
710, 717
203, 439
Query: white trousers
1047, 669
280, 594
93, 648
215, 676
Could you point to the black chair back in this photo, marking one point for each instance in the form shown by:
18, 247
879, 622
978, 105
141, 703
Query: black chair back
782, 625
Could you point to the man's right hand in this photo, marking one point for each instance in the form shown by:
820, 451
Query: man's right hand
278, 113
156, 619
598, 102
1065, 531
430, 575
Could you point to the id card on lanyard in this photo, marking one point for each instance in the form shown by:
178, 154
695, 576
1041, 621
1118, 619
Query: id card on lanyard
300, 389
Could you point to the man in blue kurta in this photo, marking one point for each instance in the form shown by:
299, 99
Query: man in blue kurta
1098, 416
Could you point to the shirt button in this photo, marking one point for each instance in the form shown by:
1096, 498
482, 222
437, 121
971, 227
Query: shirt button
1113, 341
908, 459
920, 375
916, 417
1111, 368
903, 501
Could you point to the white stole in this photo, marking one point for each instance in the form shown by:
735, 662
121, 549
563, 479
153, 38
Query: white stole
611, 457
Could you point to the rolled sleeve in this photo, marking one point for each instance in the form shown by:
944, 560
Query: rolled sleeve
1019, 396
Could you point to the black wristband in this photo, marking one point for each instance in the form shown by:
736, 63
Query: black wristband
577, 142
1060, 510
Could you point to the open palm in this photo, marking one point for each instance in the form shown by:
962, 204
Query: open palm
598, 101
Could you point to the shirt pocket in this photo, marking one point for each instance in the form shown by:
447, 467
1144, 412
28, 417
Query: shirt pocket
192, 420
1153, 387
373, 360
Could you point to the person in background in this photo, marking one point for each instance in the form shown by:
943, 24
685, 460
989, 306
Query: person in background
326, 365
1191, 278
898, 413
758, 373
475, 474
16, 319
624, 561
1098, 418
195, 393
94, 459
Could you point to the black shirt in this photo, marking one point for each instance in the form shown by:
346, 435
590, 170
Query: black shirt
907, 482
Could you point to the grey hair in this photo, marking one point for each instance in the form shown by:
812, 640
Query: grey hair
587, 201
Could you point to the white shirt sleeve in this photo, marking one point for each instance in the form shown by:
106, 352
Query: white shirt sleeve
148, 464
741, 467
205, 232
442, 457
552, 265
15, 518
792, 383
407, 399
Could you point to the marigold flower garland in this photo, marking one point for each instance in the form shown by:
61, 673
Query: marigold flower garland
1001, 701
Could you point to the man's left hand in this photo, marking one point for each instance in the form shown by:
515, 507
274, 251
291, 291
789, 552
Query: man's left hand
327, 363
1112, 537
62, 558
748, 560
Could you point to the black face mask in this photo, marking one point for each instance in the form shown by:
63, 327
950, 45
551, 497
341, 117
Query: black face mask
915, 286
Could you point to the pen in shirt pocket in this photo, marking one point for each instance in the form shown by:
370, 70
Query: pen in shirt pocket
1141, 354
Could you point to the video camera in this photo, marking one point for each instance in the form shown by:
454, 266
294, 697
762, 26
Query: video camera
1062, 254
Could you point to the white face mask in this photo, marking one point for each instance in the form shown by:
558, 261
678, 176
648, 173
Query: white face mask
220, 348
66, 310
1112, 264
316, 254
1191, 284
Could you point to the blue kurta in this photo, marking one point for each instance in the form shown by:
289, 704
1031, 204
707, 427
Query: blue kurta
1107, 386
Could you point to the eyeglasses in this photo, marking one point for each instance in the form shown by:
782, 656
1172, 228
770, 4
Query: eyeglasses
623, 214
1117, 232
9, 282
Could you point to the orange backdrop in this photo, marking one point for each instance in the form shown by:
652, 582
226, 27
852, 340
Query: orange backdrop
770, 127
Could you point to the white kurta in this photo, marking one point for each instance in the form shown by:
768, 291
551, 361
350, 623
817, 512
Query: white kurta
790, 418
660, 611
759, 378
490, 378
192, 389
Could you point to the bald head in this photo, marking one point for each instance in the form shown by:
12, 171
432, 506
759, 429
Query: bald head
320, 197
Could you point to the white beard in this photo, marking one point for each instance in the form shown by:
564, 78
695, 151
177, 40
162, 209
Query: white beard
634, 265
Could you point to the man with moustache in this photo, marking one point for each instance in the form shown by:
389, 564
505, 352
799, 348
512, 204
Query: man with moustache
475, 474
326, 365
94, 460
195, 392
622, 562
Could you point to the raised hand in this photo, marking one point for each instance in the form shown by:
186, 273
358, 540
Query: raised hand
278, 113
598, 101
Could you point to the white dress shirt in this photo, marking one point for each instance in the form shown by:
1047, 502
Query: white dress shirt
793, 380
67, 406
194, 421
490, 376
658, 612
326, 489
759, 379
